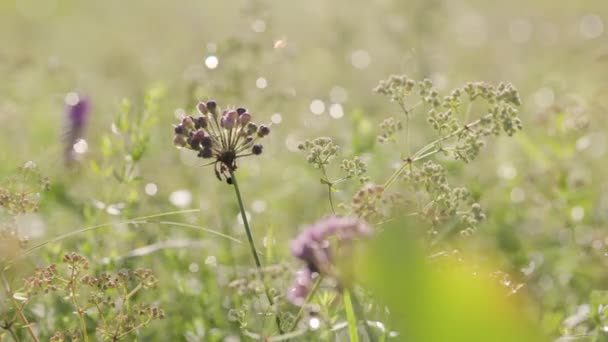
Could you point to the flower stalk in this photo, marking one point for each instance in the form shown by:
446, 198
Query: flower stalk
254, 250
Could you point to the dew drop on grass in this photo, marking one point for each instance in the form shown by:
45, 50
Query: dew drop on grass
151, 189
113, 210
261, 83
314, 323
591, 26
317, 107
360, 59
258, 206
181, 198
212, 62
276, 118
280, 44
336, 111
577, 213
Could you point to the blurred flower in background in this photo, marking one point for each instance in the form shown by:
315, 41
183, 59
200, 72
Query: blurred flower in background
77, 111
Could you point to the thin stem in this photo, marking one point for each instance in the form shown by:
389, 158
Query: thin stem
133, 220
132, 293
407, 126
350, 316
254, 250
79, 312
309, 297
424, 152
135, 328
18, 310
329, 188
13, 334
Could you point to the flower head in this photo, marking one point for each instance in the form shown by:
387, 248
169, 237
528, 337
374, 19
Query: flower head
77, 112
222, 135
312, 246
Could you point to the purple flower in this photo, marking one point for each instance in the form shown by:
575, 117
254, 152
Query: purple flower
77, 111
312, 246
223, 138
301, 287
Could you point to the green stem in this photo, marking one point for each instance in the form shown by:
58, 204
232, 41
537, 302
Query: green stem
254, 250
424, 152
13, 334
309, 297
350, 316
329, 190
18, 309
79, 311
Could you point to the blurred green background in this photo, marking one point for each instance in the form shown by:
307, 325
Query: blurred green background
544, 190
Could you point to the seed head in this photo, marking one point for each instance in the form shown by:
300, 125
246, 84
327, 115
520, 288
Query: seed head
224, 138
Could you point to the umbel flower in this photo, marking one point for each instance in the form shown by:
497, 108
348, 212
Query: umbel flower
225, 136
222, 135
313, 247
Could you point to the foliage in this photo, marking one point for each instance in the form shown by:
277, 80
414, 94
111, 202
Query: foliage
462, 199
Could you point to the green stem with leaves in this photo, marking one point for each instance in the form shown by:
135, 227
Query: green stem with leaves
254, 250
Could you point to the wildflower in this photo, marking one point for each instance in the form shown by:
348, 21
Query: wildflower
77, 110
222, 135
312, 246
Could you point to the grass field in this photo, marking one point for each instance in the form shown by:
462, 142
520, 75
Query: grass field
421, 170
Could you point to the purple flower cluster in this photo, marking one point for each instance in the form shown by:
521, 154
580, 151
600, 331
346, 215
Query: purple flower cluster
223, 135
313, 247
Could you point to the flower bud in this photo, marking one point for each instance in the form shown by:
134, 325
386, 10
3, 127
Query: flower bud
202, 108
196, 140
200, 122
180, 141
212, 108
229, 119
188, 123
263, 131
244, 118
207, 141
179, 129
251, 128
211, 105
257, 149
241, 110
206, 153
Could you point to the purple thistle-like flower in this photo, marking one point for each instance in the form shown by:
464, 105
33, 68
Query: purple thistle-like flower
312, 246
77, 110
